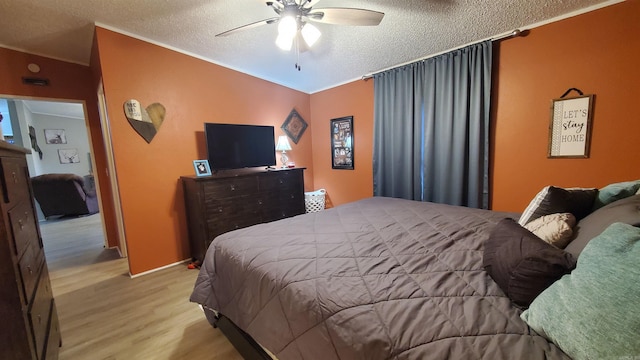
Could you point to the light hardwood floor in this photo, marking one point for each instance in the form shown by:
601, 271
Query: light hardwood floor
104, 314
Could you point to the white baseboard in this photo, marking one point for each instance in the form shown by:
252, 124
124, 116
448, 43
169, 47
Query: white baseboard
158, 269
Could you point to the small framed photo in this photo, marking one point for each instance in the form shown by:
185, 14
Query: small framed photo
342, 143
55, 136
202, 167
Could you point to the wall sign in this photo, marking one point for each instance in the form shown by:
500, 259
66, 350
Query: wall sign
570, 127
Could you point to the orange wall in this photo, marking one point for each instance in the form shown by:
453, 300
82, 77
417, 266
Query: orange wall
193, 92
353, 99
530, 71
596, 52
67, 82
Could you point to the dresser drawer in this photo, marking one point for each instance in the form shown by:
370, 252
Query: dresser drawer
241, 205
53, 338
40, 311
15, 180
24, 227
280, 181
29, 265
224, 188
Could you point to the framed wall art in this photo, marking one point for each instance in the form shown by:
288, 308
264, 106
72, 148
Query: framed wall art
68, 156
55, 136
570, 127
294, 126
342, 143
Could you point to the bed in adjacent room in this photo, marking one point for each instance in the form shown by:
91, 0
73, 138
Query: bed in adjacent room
384, 278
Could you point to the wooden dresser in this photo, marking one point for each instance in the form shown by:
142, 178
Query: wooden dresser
228, 201
28, 319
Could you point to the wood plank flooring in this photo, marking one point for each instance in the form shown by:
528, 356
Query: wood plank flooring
104, 314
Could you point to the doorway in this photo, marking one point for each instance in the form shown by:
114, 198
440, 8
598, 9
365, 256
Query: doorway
56, 132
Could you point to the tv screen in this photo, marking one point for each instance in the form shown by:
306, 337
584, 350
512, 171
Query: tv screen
232, 146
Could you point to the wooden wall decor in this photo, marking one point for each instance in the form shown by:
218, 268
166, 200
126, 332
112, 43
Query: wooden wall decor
145, 121
294, 126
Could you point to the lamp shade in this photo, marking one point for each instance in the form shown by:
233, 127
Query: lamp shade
310, 34
283, 143
284, 42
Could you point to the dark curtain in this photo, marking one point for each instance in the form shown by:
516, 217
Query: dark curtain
431, 129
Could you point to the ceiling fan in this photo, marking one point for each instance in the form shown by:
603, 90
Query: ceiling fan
294, 17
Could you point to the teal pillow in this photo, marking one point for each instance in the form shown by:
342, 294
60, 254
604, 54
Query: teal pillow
613, 192
594, 312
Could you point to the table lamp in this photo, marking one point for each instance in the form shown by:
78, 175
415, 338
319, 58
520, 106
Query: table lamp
284, 146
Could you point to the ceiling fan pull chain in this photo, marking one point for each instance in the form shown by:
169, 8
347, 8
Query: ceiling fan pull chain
296, 44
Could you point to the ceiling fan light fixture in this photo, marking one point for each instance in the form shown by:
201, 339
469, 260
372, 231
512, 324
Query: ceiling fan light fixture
310, 34
284, 42
287, 26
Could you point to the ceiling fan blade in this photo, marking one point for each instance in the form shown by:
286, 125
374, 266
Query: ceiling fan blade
346, 16
310, 3
250, 26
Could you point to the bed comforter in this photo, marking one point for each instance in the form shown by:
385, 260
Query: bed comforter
379, 278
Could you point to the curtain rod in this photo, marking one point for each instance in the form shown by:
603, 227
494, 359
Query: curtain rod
507, 35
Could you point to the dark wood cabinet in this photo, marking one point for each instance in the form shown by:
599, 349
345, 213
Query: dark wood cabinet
224, 202
29, 328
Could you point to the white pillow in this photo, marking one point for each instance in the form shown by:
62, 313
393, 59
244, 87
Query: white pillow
555, 229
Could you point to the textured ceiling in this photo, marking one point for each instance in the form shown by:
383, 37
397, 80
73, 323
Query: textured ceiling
411, 29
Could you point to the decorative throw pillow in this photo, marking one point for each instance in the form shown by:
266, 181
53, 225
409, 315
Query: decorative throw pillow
625, 211
522, 264
593, 312
614, 192
555, 229
552, 200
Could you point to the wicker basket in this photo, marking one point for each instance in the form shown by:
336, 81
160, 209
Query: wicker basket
314, 200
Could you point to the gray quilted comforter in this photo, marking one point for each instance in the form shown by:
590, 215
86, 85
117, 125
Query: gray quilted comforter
379, 278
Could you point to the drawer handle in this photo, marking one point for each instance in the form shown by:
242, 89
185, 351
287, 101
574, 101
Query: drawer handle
281, 181
29, 269
233, 188
15, 177
20, 224
39, 319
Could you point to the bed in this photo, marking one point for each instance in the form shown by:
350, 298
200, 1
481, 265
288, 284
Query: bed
379, 278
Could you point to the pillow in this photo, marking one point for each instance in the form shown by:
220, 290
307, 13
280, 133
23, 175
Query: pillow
614, 192
522, 264
625, 211
593, 312
552, 200
555, 229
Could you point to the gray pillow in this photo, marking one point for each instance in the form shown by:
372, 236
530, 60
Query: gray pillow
592, 313
553, 200
522, 264
625, 211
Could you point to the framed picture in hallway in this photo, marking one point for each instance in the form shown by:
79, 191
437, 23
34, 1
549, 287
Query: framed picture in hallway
68, 156
55, 136
342, 143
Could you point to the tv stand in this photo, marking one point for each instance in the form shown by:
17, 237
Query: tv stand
232, 200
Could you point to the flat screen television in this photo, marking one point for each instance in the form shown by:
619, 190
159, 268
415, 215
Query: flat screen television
234, 146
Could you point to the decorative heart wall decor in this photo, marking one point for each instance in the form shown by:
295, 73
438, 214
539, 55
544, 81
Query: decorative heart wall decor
146, 122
